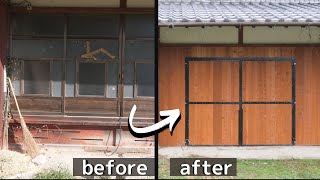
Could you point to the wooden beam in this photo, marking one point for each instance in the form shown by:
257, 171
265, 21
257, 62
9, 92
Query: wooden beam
87, 121
123, 3
235, 45
240, 35
80, 10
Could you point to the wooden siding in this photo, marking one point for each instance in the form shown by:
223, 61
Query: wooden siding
267, 81
213, 124
267, 124
90, 105
214, 81
172, 92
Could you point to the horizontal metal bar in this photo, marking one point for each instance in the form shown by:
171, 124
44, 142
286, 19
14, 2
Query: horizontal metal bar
208, 145
274, 102
213, 102
267, 145
253, 102
239, 59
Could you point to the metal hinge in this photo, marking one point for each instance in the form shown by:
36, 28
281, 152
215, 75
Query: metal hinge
186, 142
121, 76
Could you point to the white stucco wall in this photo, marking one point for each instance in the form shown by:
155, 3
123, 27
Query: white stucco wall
199, 35
281, 35
229, 35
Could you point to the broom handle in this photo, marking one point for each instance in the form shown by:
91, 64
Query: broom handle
15, 99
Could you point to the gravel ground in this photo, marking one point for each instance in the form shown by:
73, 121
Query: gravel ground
12, 163
55, 157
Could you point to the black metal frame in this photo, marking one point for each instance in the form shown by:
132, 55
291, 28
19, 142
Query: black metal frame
240, 102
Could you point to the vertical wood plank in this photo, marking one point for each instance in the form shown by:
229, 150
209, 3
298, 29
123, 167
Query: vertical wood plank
171, 91
213, 124
267, 81
267, 124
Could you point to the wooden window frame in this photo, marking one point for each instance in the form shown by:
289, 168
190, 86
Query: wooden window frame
22, 87
121, 60
136, 85
105, 95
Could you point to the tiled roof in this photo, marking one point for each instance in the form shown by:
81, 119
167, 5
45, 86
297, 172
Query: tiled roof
206, 12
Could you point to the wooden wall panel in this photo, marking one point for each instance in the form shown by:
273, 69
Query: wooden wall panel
267, 81
213, 124
34, 104
214, 81
145, 108
91, 105
308, 95
201, 81
171, 84
267, 124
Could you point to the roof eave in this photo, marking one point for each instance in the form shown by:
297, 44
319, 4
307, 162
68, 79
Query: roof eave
201, 24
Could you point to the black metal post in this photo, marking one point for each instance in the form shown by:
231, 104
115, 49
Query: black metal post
187, 101
240, 105
293, 102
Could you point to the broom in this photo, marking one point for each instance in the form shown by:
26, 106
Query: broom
31, 146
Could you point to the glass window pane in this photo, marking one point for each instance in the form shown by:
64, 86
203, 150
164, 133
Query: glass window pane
91, 79
36, 77
94, 25
128, 80
36, 49
56, 78
76, 48
70, 78
145, 79
38, 24
139, 50
16, 75
139, 26
112, 75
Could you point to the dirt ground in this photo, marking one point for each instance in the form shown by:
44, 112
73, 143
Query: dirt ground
12, 163
56, 157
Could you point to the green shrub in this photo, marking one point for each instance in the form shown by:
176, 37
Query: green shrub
54, 173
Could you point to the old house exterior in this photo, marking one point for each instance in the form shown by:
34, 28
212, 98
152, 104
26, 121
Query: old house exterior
242, 72
78, 67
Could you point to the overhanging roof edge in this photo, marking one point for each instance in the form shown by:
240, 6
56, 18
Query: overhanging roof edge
191, 24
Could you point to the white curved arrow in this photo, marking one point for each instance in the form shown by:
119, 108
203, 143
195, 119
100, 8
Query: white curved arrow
173, 116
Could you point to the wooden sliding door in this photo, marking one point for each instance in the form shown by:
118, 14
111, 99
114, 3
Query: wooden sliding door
240, 101
97, 65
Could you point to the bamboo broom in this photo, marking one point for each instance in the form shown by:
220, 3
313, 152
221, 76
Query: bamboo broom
31, 146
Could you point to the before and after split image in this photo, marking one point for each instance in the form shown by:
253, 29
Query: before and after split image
159, 89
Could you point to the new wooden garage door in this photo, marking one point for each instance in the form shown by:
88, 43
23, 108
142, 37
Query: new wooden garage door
234, 101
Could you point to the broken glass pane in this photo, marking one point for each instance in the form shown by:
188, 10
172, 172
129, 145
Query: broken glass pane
145, 79
91, 79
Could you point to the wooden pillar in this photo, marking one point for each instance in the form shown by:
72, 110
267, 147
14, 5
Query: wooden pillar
3, 57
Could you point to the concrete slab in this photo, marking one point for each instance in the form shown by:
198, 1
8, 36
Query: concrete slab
244, 152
